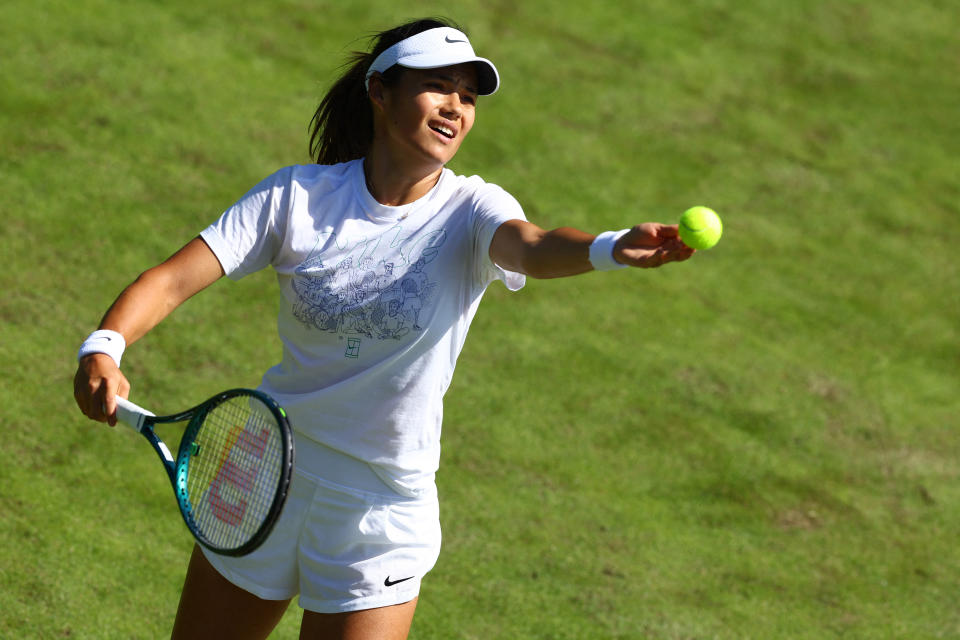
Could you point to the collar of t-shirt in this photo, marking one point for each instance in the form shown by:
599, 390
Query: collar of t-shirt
384, 214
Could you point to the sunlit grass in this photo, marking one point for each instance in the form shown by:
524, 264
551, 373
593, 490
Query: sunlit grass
759, 443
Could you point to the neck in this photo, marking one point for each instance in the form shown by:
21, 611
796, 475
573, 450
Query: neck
393, 184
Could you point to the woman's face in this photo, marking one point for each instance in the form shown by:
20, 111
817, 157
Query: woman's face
428, 112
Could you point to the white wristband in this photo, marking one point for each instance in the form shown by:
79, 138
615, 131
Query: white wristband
104, 341
601, 251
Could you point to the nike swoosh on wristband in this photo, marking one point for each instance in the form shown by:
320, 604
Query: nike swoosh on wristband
389, 583
447, 39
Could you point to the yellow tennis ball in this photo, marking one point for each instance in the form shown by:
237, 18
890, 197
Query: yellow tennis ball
700, 227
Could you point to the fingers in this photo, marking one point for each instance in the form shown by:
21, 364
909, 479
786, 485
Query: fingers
667, 231
113, 388
96, 386
651, 234
669, 250
85, 393
650, 245
657, 258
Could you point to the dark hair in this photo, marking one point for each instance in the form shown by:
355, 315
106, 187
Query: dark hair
342, 127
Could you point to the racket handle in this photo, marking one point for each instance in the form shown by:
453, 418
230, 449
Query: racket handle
131, 414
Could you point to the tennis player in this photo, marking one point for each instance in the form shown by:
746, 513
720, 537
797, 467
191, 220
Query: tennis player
382, 255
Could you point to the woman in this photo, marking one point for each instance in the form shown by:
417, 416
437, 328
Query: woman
382, 256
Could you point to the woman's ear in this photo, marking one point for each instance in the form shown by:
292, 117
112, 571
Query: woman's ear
376, 90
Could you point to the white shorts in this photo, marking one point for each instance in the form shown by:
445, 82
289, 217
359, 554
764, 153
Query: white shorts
345, 541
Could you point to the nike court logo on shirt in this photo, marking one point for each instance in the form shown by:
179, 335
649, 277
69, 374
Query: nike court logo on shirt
389, 583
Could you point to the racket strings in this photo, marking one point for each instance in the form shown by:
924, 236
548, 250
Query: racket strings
234, 468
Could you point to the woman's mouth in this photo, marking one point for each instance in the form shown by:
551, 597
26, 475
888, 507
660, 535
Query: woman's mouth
443, 130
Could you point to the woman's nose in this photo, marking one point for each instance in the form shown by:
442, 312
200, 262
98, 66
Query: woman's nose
452, 107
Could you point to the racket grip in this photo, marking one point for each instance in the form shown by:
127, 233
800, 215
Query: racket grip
131, 414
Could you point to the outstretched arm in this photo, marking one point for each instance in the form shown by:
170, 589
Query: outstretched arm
524, 247
139, 308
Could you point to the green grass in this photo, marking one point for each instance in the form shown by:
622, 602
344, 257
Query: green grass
759, 443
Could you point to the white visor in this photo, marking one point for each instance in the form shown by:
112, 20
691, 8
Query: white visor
435, 48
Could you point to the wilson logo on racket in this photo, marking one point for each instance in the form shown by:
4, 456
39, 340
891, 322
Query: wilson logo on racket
238, 469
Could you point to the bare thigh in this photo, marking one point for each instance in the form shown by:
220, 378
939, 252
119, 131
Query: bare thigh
384, 623
212, 607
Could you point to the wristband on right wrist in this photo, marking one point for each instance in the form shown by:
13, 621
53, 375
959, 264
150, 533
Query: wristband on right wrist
105, 341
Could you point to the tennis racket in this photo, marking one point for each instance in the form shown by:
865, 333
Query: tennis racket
232, 469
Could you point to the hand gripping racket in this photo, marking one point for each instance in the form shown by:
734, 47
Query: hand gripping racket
232, 469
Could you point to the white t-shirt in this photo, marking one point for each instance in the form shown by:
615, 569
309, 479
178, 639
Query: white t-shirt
376, 303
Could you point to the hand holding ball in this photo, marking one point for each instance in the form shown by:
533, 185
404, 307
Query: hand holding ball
700, 227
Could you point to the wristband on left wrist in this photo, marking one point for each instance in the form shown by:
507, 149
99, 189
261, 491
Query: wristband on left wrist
601, 251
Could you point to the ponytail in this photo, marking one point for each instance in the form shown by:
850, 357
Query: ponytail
342, 127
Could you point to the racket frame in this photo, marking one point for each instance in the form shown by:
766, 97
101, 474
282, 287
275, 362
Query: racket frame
143, 421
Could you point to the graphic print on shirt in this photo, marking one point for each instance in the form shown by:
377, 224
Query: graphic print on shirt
373, 287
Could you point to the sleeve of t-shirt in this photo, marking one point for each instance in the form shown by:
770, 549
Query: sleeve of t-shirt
248, 235
493, 207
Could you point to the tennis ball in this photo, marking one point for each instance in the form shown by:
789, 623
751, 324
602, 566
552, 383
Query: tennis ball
700, 227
